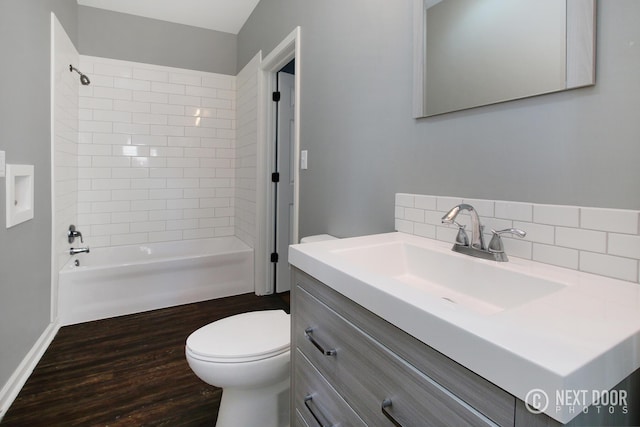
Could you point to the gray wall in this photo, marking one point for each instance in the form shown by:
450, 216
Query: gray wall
580, 147
132, 38
25, 250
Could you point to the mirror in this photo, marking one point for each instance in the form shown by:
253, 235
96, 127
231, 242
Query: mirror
470, 53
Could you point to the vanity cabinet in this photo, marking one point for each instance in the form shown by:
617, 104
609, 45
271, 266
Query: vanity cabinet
352, 368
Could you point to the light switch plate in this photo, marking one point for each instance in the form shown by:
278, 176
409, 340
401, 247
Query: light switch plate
2, 164
303, 159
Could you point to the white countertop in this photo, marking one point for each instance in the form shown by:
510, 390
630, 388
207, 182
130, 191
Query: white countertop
585, 336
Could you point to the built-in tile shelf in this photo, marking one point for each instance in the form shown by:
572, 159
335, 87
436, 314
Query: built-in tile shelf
594, 240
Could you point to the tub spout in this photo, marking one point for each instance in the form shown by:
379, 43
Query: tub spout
74, 251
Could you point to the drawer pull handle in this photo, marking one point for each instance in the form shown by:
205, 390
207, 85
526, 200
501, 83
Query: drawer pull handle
328, 352
386, 404
317, 415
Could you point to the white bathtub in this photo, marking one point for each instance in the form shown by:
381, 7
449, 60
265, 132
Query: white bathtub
130, 279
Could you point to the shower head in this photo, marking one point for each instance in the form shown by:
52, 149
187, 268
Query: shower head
83, 78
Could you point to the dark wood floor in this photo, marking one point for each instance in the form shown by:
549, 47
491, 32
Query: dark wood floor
127, 371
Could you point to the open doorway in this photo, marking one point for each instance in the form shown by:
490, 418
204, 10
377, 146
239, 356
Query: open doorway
278, 165
283, 177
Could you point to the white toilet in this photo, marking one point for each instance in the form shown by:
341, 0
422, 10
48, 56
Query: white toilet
247, 355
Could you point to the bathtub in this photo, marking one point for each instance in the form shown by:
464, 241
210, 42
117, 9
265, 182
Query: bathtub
122, 280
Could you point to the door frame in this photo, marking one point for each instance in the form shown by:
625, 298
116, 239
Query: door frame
281, 55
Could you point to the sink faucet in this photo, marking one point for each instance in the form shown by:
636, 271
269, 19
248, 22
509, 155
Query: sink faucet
477, 240
476, 248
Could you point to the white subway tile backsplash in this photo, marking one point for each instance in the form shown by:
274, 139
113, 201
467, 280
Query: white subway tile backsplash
405, 226
425, 230
514, 211
539, 233
595, 240
142, 177
443, 204
624, 245
567, 216
588, 240
415, 215
611, 266
483, 207
614, 220
555, 255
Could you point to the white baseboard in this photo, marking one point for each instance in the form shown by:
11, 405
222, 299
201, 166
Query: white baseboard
20, 376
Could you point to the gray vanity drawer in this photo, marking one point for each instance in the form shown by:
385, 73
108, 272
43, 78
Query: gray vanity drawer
367, 374
324, 402
488, 399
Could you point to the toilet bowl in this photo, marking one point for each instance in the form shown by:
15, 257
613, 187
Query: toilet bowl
248, 356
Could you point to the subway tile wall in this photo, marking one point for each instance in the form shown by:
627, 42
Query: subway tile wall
247, 152
156, 153
594, 240
65, 144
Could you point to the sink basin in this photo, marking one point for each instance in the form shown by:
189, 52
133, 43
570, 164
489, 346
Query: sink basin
558, 329
477, 286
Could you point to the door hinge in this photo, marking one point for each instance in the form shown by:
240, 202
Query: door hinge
275, 177
275, 96
274, 257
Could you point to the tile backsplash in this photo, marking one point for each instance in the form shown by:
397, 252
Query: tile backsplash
594, 240
156, 153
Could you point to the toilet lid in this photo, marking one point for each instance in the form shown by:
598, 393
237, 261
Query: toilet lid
243, 337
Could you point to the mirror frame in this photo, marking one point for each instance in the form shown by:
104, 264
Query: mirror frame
581, 50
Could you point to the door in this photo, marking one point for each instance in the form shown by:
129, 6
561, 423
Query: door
285, 185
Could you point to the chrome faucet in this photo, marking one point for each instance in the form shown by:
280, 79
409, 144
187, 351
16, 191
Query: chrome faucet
73, 233
74, 251
476, 246
477, 240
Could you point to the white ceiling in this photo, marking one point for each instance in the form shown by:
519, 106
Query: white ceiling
221, 15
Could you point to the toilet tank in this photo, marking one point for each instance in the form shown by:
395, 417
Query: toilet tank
317, 238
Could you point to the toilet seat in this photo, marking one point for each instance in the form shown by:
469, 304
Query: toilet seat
241, 338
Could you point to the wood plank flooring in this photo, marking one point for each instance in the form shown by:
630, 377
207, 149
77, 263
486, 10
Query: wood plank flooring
128, 371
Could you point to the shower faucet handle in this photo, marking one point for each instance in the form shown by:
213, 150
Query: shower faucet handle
73, 233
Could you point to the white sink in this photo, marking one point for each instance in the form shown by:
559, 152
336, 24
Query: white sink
520, 324
477, 286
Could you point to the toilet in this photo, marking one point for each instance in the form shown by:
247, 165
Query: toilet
248, 356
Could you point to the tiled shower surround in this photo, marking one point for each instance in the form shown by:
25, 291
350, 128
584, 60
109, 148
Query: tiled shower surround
156, 153
594, 240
